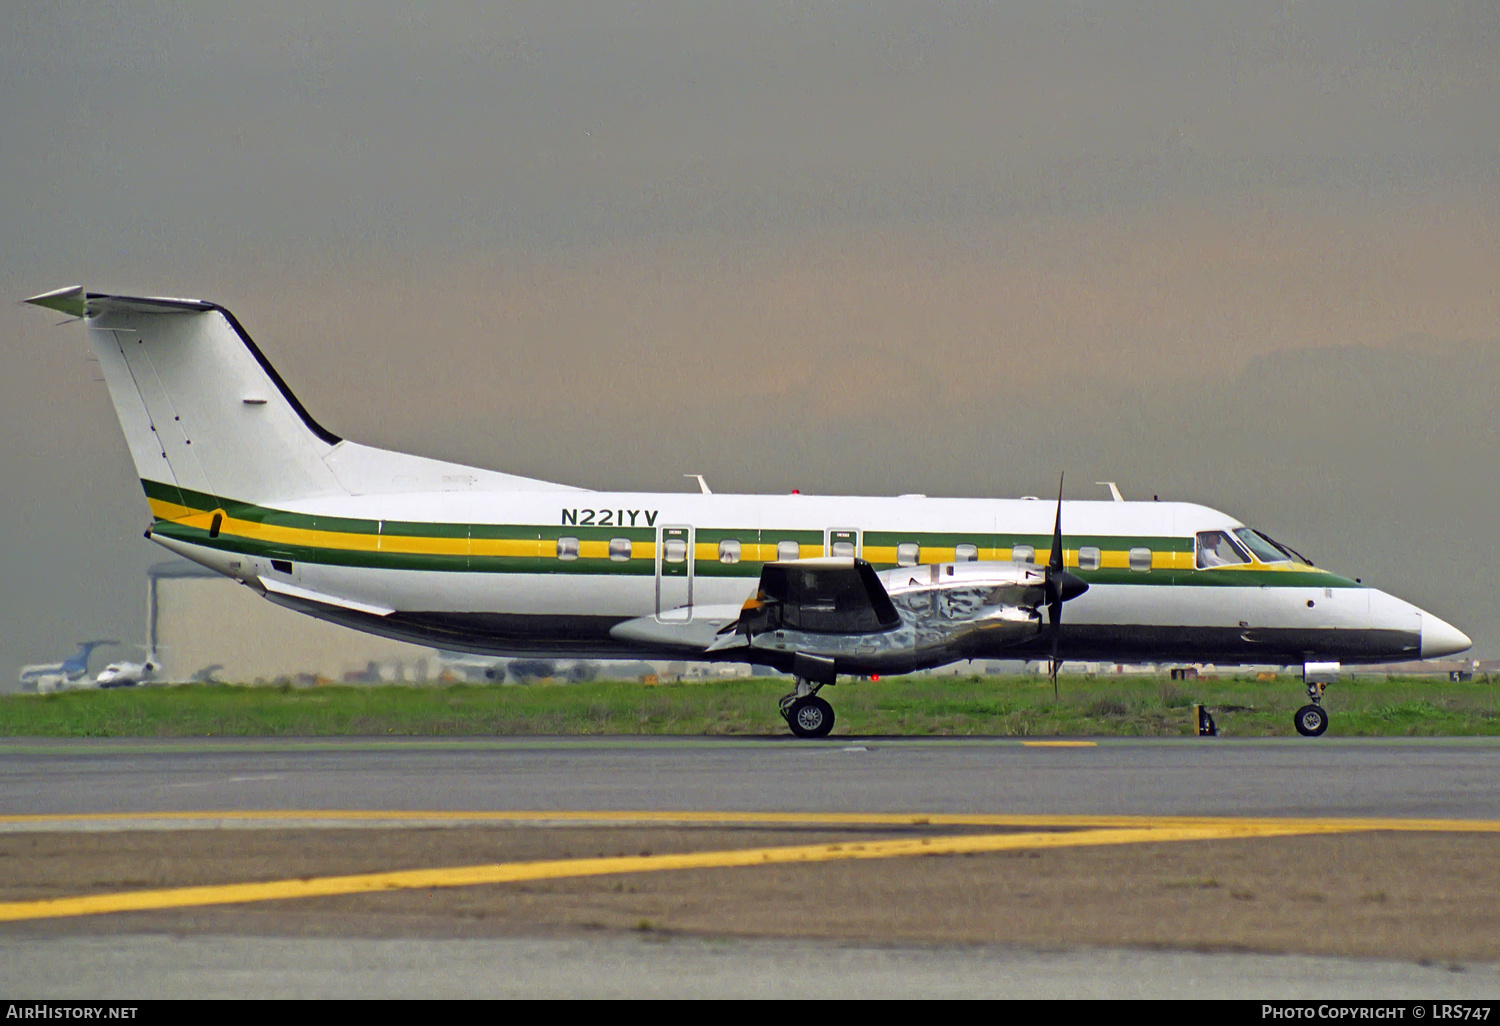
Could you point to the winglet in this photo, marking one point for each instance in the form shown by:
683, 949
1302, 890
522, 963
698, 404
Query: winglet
69, 300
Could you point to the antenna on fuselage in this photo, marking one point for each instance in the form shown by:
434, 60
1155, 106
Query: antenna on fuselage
1114, 491
702, 484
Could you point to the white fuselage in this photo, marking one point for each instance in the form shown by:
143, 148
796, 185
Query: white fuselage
1163, 608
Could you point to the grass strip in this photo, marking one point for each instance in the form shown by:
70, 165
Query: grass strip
1018, 706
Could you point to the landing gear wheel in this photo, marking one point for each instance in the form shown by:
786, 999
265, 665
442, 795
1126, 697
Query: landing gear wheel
810, 717
1311, 721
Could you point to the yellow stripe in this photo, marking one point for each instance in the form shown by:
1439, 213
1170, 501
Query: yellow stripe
515, 872
277, 534
1110, 559
163, 510
507, 547
382, 542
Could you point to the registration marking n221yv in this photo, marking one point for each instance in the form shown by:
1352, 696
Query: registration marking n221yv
610, 517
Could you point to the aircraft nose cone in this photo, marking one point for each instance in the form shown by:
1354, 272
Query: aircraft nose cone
1440, 638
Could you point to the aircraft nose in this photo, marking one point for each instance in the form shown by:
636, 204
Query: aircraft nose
1440, 638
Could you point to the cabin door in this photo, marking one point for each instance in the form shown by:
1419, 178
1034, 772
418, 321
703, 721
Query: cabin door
674, 574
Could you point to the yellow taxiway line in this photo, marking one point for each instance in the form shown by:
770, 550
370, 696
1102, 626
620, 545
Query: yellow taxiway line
556, 869
1145, 830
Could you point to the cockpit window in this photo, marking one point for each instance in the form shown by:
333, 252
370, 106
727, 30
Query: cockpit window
1264, 550
1216, 548
1268, 549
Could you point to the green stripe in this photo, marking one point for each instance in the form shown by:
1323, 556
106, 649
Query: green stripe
746, 569
714, 535
164, 493
377, 560
639, 567
640, 534
1040, 542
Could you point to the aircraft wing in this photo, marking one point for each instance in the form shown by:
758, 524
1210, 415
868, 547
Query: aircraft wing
840, 595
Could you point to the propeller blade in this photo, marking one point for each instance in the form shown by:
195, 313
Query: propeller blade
1060, 587
1055, 563
1056, 663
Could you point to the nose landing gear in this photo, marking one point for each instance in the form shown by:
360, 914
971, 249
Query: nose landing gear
1311, 720
806, 713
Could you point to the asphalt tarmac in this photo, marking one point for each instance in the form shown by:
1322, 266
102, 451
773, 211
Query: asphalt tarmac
614, 966
1212, 846
1178, 776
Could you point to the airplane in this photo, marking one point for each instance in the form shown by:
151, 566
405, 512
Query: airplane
240, 478
48, 677
127, 674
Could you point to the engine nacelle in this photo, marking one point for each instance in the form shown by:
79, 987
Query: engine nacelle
841, 616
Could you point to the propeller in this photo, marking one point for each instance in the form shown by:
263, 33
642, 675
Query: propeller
1060, 586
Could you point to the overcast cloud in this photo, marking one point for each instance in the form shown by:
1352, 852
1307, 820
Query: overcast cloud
1244, 254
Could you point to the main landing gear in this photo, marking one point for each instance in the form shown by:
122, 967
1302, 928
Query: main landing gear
806, 713
1311, 720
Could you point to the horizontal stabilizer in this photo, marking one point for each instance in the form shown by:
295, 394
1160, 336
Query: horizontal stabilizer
308, 595
75, 302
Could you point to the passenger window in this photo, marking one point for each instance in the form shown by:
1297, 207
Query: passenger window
619, 549
788, 550
675, 550
965, 553
1140, 559
908, 554
1023, 554
843, 548
1088, 558
729, 550
1216, 548
567, 548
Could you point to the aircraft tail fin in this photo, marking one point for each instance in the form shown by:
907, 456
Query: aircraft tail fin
209, 421
202, 409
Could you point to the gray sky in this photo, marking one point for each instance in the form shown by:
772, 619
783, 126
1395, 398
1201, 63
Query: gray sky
1243, 254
